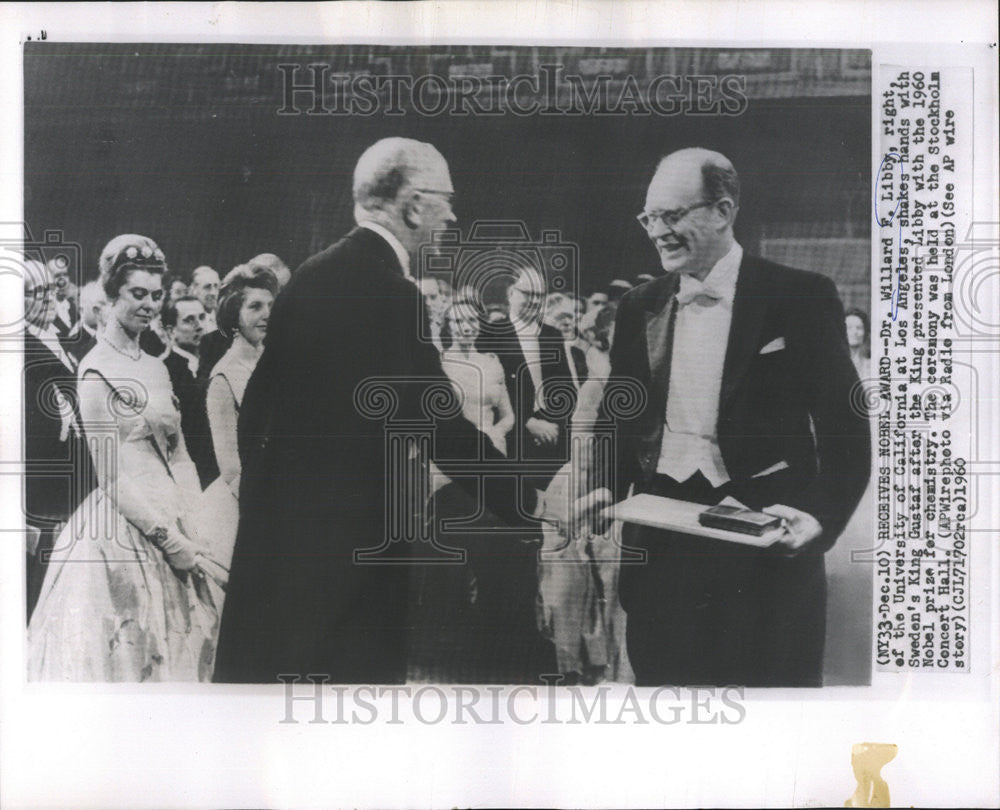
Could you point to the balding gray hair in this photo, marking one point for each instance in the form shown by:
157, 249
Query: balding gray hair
91, 294
386, 167
719, 178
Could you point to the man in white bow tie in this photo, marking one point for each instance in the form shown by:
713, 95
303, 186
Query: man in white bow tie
748, 379
57, 466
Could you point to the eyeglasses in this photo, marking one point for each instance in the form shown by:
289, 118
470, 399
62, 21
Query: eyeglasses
448, 195
670, 218
40, 292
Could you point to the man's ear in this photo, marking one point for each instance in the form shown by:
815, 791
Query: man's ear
411, 212
727, 209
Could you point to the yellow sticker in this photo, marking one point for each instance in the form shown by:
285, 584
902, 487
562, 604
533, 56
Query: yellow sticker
867, 760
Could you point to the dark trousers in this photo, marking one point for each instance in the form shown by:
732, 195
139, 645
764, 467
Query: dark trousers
710, 612
474, 620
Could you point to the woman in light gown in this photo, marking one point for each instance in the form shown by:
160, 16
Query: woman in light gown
476, 622
126, 597
245, 301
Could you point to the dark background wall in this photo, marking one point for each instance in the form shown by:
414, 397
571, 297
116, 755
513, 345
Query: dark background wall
183, 143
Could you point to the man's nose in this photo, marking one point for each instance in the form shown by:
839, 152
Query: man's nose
658, 228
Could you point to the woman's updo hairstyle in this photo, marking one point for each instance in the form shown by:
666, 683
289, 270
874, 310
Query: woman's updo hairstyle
124, 255
233, 292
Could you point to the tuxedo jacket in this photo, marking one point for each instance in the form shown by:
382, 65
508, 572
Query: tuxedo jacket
63, 329
787, 396
58, 466
558, 398
347, 370
190, 393
79, 343
579, 360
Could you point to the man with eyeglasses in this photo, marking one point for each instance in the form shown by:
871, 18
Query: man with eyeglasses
536, 370
749, 383
347, 360
57, 465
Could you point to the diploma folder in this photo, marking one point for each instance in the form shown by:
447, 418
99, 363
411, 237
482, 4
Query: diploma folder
683, 516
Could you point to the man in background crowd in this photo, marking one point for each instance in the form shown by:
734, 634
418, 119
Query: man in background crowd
57, 465
565, 319
534, 360
205, 287
184, 320
93, 317
66, 310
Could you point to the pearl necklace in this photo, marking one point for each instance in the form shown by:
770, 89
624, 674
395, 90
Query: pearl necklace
129, 355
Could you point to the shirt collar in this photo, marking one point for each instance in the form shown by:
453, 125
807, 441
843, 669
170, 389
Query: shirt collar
192, 360
394, 243
48, 334
721, 278
50, 339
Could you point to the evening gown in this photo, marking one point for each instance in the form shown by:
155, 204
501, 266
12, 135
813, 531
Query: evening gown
218, 512
476, 621
112, 608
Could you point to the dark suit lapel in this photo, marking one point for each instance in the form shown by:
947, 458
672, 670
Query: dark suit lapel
657, 334
749, 310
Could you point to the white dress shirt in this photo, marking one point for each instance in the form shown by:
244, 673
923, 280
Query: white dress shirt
701, 335
50, 339
63, 313
394, 243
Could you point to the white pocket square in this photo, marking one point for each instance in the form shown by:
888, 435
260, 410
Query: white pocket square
775, 345
781, 465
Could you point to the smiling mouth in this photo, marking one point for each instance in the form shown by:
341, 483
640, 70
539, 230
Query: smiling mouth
670, 245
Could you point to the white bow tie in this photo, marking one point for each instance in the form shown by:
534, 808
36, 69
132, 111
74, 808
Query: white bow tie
692, 288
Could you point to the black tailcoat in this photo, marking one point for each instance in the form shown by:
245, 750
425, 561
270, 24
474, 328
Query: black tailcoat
714, 612
344, 364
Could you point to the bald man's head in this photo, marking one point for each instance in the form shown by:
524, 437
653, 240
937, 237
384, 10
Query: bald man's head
691, 205
391, 164
404, 185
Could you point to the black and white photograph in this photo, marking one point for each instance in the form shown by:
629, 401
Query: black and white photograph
473, 404
364, 344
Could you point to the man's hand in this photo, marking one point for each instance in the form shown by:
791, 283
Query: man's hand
570, 515
801, 528
542, 431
